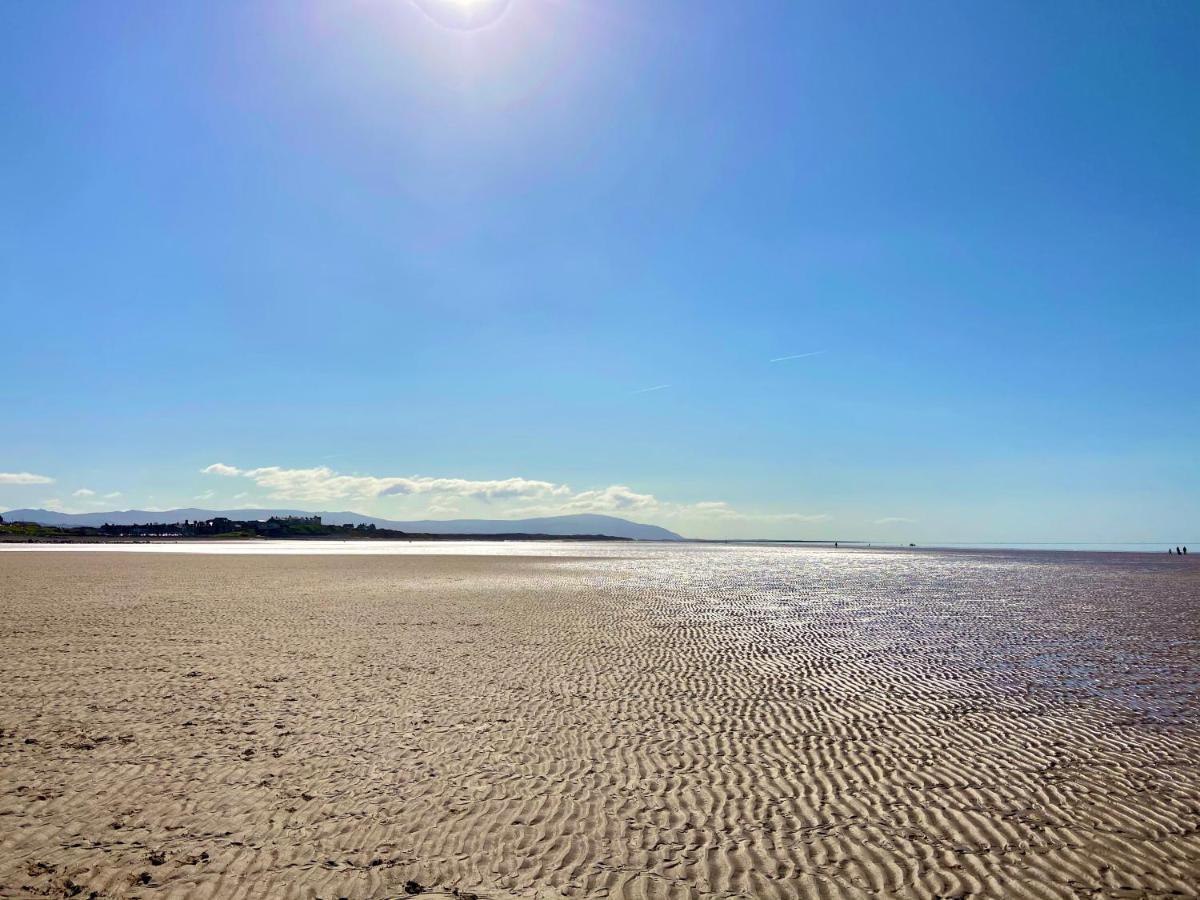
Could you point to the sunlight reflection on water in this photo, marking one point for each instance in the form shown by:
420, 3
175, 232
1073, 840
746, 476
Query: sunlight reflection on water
1118, 626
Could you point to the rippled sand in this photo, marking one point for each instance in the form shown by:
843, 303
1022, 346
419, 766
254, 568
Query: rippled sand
648, 722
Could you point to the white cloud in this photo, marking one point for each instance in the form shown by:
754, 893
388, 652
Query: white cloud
616, 498
221, 469
322, 484
649, 390
53, 503
84, 492
520, 496
24, 478
442, 506
895, 520
207, 495
508, 488
112, 496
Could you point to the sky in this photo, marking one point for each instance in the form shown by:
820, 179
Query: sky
920, 271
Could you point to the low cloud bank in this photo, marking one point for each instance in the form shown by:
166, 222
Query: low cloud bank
524, 496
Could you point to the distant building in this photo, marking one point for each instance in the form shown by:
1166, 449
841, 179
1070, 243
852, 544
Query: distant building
296, 520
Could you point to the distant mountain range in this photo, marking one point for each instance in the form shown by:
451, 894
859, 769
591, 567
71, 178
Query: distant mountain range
557, 525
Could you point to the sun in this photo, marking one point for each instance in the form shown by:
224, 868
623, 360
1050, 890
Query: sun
464, 15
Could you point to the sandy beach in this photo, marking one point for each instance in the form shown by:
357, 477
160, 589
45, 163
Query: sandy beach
583, 722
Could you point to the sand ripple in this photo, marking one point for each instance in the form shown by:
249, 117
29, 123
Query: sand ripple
673, 723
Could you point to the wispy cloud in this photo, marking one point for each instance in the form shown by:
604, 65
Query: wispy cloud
647, 390
797, 356
721, 510
895, 520
24, 478
93, 498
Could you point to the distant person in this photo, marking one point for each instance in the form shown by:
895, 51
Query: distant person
1177, 553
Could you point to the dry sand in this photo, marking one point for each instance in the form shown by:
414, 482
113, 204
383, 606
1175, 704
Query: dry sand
684, 722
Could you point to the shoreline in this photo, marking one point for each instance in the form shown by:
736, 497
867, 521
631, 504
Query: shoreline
218, 542
250, 540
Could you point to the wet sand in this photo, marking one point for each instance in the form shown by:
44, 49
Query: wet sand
651, 722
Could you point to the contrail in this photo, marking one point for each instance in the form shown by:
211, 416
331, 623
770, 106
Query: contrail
796, 356
657, 387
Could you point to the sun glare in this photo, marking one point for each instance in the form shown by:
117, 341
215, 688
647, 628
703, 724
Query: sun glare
464, 15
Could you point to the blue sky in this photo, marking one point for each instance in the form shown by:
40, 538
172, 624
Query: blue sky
367, 262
